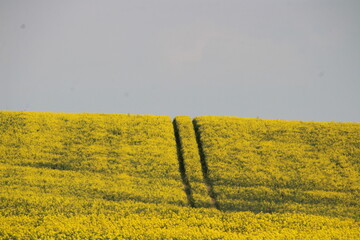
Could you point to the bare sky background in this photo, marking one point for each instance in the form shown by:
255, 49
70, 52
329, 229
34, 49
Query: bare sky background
293, 60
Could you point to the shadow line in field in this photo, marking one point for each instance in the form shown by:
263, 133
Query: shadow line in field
182, 170
204, 167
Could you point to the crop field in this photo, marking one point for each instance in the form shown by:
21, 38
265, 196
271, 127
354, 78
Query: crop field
283, 166
119, 176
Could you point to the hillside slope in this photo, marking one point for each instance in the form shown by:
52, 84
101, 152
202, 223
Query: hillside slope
114, 176
283, 166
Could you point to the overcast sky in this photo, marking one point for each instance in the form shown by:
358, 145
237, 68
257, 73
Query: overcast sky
293, 60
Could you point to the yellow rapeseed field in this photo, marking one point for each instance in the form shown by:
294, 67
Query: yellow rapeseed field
283, 166
115, 176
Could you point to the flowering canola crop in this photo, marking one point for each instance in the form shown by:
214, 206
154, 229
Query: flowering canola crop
283, 166
114, 176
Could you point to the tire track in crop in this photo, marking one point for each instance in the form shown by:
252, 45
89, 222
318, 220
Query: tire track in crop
182, 170
205, 169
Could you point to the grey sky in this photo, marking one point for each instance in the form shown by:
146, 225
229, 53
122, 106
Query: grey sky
294, 60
